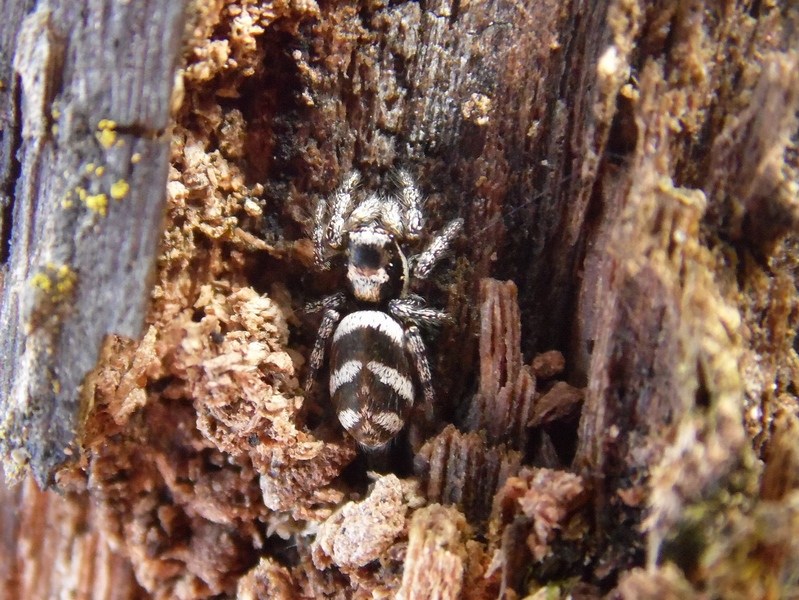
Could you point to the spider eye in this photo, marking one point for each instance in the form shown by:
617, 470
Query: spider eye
368, 257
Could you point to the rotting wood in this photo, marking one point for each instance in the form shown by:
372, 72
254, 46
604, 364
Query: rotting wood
576, 141
51, 546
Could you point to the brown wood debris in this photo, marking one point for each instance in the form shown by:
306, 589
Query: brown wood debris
58, 530
548, 364
463, 469
269, 579
435, 563
561, 401
361, 532
546, 499
504, 402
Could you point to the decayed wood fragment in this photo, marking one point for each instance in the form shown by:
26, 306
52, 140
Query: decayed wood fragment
504, 402
465, 470
530, 511
560, 402
435, 563
53, 547
362, 532
548, 364
268, 580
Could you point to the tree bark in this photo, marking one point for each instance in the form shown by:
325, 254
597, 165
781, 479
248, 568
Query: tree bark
630, 166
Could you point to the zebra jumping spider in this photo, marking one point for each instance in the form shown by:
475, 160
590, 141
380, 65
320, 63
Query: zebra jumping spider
377, 344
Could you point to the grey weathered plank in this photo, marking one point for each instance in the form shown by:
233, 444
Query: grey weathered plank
95, 82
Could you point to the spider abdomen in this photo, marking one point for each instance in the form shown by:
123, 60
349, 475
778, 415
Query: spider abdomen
371, 384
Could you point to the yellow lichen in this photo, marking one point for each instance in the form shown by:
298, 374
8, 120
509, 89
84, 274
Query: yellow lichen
106, 133
135, 158
57, 281
89, 167
42, 282
106, 137
99, 170
119, 189
98, 203
65, 280
82, 193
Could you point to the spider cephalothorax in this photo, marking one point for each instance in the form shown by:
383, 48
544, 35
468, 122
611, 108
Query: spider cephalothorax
377, 346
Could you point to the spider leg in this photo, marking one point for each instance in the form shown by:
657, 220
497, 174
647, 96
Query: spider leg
411, 309
424, 262
411, 200
412, 312
329, 320
415, 345
342, 207
393, 218
366, 212
334, 301
329, 234
319, 226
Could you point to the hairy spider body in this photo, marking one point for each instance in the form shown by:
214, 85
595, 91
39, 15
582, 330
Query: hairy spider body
370, 382
376, 347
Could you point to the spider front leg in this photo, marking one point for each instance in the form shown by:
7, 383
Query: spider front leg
328, 234
330, 319
424, 262
334, 301
411, 199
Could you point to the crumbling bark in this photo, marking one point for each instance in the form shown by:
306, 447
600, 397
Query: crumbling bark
617, 421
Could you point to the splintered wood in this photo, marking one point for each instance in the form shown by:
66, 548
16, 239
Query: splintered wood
436, 558
504, 400
465, 470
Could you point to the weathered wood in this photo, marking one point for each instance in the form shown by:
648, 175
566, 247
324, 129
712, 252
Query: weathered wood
85, 147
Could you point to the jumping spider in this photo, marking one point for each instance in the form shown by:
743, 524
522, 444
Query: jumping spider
378, 338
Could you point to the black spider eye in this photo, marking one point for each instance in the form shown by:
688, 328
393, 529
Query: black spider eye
367, 257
